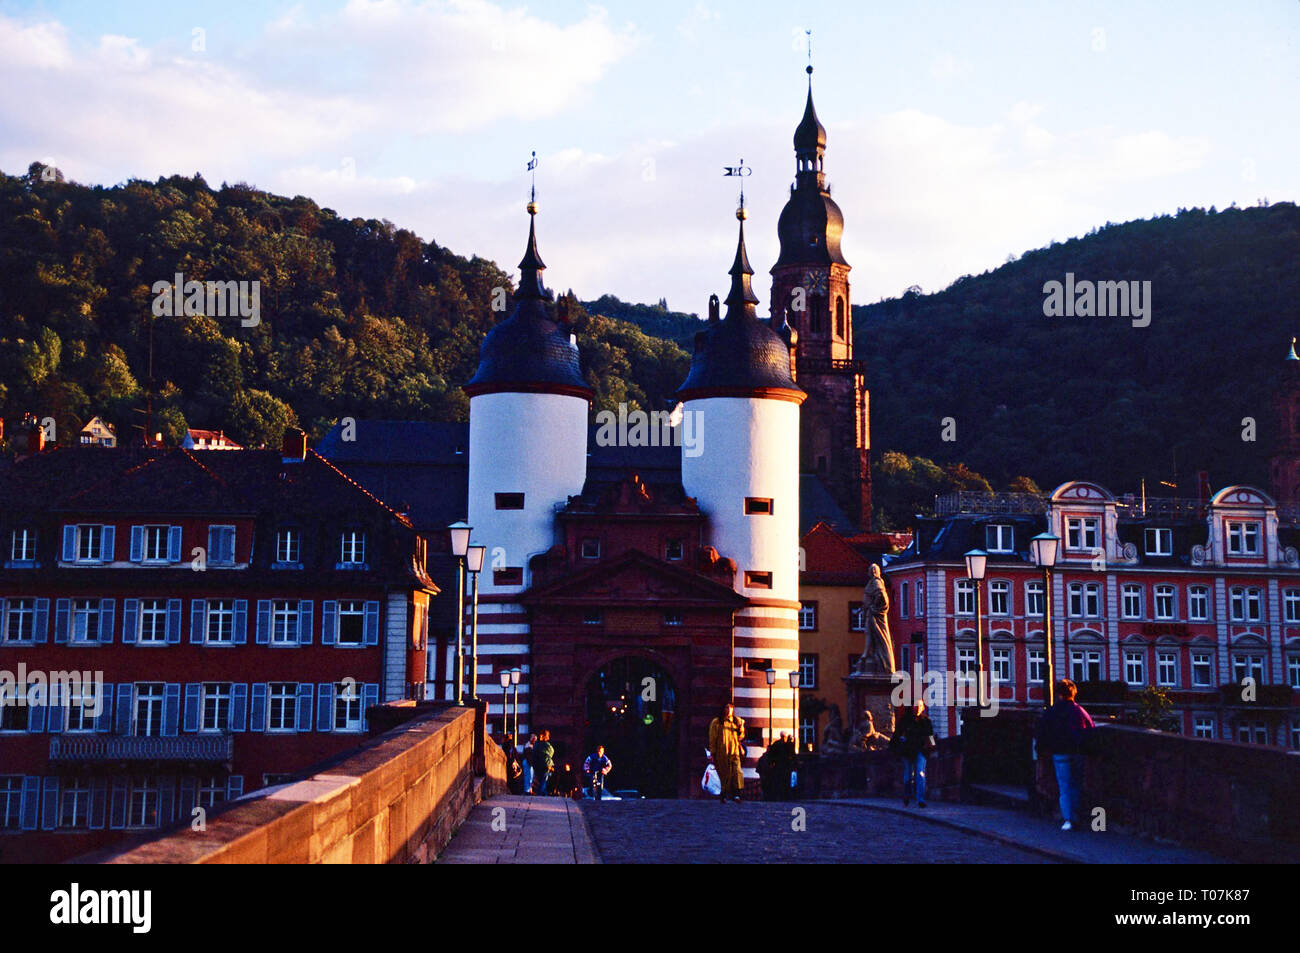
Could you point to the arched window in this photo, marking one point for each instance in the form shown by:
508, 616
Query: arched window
839, 318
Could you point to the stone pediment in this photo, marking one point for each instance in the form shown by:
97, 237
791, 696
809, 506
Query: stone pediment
631, 578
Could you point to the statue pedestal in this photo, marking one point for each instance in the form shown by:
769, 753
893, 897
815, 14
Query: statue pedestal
869, 692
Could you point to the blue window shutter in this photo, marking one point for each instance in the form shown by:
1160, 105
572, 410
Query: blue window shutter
31, 804
325, 706
173, 544
193, 696
304, 706
257, 713
69, 543
166, 800
62, 617
228, 550
372, 623
104, 699
36, 713
239, 708
42, 622
98, 802
130, 620
369, 700
263, 621
50, 804
304, 622
123, 720
198, 620
137, 544
187, 797
329, 621
106, 547
241, 621
171, 709
173, 621
235, 786
54, 717
107, 610
214, 544
117, 811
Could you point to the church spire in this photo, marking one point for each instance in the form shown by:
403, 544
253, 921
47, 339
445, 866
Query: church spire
741, 298
532, 266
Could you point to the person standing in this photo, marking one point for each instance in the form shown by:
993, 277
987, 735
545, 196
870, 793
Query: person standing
786, 759
727, 749
543, 762
596, 767
527, 760
1062, 733
913, 741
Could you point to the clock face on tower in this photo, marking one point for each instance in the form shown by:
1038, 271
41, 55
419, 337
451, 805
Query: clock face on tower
814, 280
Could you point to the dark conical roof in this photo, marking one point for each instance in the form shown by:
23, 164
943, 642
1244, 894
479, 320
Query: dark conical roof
529, 351
810, 134
740, 355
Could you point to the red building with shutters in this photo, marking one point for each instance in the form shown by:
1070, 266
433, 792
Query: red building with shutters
229, 615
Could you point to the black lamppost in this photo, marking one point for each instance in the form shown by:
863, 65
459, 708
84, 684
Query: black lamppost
794, 691
514, 680
976, 563
505, 702
459, 532
1044, 548
771, 680
474, 562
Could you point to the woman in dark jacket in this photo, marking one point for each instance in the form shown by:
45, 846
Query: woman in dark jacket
913, 741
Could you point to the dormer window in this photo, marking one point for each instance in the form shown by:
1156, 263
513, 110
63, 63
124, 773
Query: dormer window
1243, 538
1082, 533
288, 546
1160, 542
673, 550
591, 548
999, 538
352, 547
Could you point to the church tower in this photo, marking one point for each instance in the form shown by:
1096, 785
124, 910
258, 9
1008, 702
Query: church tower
745, 477
527, 453
1284, 467
810, 295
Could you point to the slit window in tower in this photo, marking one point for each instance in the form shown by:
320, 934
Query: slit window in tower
839, 318
758, 580
510, 501
758, 506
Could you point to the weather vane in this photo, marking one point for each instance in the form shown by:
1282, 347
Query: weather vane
741, 170
532, 189
808, 33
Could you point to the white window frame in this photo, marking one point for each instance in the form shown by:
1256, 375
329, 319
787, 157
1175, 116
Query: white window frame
1135, 666
1087, 659
1203, 726
1244, 538
19, 614
1034, 603
808, 670
963, 597
1166, 668
808, 617
1169, 593
149, 700
288, 546
1248, 664
22, 545
1082, 533
352, 608
1163, 541
282, 701
348, 714
999, 538
215, 704
82, 612
78, 790
1088, 597
1245, 604
219, 615
352, 547
284, 622
155, 538
156, 611
1002, 664
1202, 661
143, 792
999, 591
1036, 663
1201, 595
1291, 605
1130, 601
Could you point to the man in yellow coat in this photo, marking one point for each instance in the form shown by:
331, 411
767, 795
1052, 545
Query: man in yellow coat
726, 743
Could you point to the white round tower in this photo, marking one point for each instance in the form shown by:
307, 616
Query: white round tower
527, 452
744, 472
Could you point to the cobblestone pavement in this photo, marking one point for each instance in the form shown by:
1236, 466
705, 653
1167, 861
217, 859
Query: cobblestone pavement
755, 832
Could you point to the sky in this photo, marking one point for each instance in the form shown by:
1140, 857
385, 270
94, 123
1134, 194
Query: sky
958, 133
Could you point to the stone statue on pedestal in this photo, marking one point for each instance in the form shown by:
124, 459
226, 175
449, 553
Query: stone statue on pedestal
878, 652
866, 738
833, 735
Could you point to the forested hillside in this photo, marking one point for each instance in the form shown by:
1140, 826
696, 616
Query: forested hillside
358, 317
1095, 397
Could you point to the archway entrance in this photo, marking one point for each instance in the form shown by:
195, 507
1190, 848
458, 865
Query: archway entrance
632, 710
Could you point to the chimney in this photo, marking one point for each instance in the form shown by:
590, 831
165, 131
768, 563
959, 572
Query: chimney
295, 446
